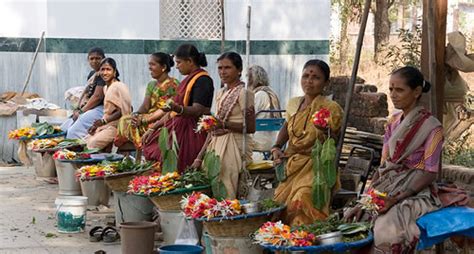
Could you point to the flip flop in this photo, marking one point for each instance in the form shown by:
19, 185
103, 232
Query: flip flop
53, 180
95, 234
110, 235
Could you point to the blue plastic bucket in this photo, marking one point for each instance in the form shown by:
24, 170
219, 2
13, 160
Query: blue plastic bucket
181, 248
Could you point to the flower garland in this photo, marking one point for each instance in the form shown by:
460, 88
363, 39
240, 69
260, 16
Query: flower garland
205, 123
279, 234
321, 118
199, 205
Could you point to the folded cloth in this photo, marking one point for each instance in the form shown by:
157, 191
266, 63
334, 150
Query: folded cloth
439, 225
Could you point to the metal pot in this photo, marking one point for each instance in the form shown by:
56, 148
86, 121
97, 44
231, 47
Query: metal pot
251, 208
330, 238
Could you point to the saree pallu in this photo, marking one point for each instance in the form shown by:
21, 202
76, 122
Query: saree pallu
296, 190
190, 143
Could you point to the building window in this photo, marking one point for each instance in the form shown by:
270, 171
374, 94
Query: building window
190, 19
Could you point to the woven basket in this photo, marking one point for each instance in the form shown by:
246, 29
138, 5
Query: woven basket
171, 201
119, 182
236, 228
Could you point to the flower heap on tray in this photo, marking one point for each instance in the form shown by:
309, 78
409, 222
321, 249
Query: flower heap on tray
279, 234
199, 205
160, 184
26, 132
36, 130
89, 172
65, 154
46, 143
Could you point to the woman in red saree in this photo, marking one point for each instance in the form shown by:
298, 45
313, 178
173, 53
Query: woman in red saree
194, 99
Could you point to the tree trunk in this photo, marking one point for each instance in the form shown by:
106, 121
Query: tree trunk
344, 47
381, 28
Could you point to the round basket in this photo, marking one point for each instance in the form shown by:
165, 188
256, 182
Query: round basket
119, 182
240, 225
74, 148
171, 200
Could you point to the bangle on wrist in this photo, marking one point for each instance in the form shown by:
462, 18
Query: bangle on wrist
182, 110
274, 149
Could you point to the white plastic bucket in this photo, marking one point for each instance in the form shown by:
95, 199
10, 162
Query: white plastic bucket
170, 222
71, 213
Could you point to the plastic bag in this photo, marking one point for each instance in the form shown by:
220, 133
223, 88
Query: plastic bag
187, 233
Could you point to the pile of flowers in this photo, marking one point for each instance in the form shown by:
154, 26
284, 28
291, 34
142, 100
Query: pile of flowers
86, 172
45, 143
166, 93
205, 123
154, 183
199, 205
321, 118
373, 201
279, 234
26, 132
70, 155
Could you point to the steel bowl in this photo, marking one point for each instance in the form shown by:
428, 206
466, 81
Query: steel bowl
330, 238
251, 208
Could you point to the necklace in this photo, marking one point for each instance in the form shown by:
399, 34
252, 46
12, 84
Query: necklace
305, 122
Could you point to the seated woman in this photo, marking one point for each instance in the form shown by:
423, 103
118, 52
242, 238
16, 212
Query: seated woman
300, 134
117, 102
132, 127
194, 99
91, 104
226, 139
265, 99
410, 161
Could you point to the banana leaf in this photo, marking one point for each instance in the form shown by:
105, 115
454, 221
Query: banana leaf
320, 192
170, 162
218, 189
315, 156
328, 156
212, 164
163, 139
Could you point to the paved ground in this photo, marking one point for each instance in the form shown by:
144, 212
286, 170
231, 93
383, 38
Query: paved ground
27, 218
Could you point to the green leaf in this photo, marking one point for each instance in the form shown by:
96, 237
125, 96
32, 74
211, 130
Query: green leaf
163, 139
170, 161
315, 156
320, 192
218, 189
212, 164
328, 157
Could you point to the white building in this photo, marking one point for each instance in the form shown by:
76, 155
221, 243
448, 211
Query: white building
284, 34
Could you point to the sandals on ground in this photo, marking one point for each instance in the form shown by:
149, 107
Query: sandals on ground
110, 235
95, 234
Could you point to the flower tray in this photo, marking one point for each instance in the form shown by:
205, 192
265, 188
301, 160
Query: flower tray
330, 248
240, 225
54, 135
119, 182
95, 158
170, 201
74, 148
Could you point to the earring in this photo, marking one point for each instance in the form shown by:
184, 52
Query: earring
163, 70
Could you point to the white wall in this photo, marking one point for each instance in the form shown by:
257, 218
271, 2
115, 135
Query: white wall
278, 19
139, 19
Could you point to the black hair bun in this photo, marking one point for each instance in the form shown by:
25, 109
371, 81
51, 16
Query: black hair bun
426, 86
170, 59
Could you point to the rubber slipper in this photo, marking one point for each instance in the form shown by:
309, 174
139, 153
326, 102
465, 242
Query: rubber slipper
110, 235
95, 234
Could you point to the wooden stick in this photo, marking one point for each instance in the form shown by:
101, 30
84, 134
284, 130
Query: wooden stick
32, 64
244, 124
350, 91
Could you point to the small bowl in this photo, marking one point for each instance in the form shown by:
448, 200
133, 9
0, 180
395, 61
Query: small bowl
251, 208
330, 238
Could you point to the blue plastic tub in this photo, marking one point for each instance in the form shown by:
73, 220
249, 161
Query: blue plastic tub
181, 248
